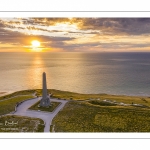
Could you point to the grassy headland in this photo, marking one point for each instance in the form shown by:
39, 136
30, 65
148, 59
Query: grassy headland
94, 112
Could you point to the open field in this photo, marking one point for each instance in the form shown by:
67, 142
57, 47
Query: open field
11, 123
51, 108
82, 116
8, 106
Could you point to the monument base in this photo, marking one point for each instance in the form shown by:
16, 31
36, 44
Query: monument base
45, 102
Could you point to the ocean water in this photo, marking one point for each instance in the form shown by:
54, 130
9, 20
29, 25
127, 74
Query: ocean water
111, 73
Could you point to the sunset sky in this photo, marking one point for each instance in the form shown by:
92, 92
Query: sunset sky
74, 34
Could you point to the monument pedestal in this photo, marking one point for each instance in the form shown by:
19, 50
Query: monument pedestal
45, 102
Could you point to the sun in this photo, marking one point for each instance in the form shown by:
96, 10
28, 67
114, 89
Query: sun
35, 44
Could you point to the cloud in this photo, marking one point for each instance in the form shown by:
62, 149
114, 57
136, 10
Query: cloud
92, 33
15, 37
45, 21
110, 26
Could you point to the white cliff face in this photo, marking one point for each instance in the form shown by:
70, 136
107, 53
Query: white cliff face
45, 101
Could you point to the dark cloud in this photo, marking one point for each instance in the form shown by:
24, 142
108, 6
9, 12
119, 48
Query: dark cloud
130, 26
107, 26
119, 45
69, 47
109, 45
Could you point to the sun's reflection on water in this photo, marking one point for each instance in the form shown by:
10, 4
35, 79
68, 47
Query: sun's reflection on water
34, 73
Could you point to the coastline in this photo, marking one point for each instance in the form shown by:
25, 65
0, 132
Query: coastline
3, 93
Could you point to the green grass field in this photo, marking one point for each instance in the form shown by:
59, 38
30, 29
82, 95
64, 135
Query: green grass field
51, 108
12, 123
8, 106
89, 113
82, 116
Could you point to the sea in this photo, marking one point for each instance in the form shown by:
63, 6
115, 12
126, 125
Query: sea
119, 73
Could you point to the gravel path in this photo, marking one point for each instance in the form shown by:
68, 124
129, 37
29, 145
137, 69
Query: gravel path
47, 117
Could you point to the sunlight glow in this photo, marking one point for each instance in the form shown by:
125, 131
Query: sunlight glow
35, 43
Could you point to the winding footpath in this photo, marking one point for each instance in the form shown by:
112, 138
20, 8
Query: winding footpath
22, 110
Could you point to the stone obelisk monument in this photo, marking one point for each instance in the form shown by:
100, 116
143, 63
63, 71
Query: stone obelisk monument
45, 101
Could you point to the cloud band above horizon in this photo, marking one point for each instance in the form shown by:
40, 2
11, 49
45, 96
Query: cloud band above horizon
75, 34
